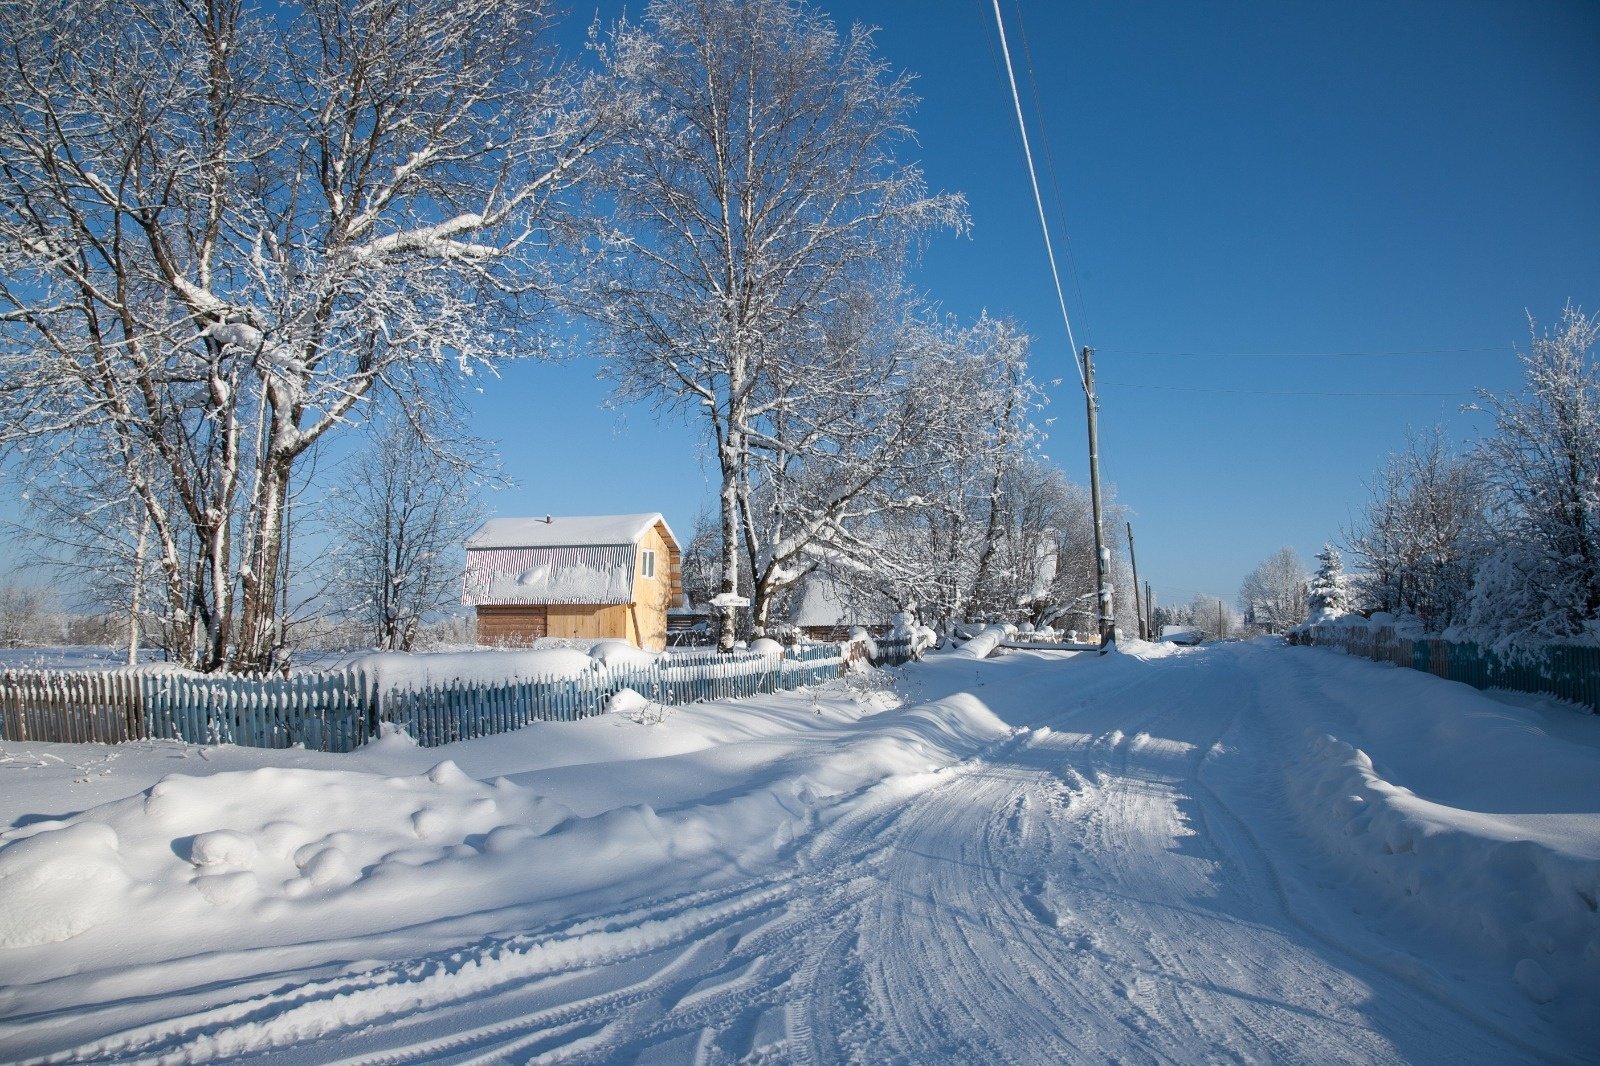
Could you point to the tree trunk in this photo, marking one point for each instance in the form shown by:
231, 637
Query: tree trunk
728, 455
258, 610
136, 595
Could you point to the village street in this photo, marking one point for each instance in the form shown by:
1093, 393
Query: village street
1097, 859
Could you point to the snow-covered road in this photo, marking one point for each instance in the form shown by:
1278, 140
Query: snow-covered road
1123, 864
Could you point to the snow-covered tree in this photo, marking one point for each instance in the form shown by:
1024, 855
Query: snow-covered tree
25, 615
755, 184
1329, 594
1423, 532
1207, 615
1273, 595
850, 442
951, 529
1542, 578
222, 227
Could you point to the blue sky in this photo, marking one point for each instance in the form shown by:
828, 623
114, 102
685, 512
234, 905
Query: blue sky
1247, 187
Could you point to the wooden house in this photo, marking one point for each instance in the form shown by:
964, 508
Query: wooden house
580, 577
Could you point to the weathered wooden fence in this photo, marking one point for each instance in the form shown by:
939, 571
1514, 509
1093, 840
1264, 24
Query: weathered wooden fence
1567, 671
326, 711
340, 710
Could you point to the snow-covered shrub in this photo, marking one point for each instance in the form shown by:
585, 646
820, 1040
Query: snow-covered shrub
766, 646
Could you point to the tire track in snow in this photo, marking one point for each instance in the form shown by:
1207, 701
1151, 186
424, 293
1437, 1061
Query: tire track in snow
1073, 902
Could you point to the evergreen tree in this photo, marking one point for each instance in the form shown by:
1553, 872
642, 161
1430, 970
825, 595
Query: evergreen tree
1330, 595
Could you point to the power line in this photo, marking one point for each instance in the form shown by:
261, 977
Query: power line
1038, 200
1050, 171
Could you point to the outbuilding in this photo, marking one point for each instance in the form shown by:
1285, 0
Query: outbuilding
578, 577
824, 608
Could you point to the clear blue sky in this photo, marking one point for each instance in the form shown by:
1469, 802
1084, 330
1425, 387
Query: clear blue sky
1246, 181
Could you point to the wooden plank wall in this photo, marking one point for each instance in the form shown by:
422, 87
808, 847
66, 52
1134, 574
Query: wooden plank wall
515, 627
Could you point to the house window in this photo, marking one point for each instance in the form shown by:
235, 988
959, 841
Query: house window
647, 563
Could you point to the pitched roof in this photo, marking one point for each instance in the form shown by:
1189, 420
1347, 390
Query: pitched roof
584, 559
566, 531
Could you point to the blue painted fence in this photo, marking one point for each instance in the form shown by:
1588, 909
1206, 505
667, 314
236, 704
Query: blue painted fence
1570, 672
340, 710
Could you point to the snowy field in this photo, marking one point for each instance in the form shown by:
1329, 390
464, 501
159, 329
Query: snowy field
1236, 852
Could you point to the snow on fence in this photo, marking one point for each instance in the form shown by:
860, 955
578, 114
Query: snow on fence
339, 710
1567, 671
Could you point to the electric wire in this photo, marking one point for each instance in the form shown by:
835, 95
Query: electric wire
1050, 172
1038, 200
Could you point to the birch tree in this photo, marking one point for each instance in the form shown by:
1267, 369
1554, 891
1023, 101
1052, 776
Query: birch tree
221, 228
755, 181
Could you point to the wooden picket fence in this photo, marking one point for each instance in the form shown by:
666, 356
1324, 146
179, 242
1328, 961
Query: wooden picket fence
338, 711
330, 711
1569, 672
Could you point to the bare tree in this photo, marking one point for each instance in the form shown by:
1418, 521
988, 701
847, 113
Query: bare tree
1273, 595
399, 519
755, 183
222, 228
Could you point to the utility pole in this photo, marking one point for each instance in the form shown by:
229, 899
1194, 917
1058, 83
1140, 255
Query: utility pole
1150, 609
1133, 561
1102, 554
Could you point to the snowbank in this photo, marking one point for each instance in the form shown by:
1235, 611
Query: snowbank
1470, 876
985, 642
416, 670
1459, 821
275, 856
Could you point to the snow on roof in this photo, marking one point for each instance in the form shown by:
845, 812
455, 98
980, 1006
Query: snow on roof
599, 573
822, 601
566, 531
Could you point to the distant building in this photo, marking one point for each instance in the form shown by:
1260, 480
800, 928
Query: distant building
825, 609
579, 577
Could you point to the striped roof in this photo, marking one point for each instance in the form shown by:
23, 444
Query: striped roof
598, 574
583, 559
